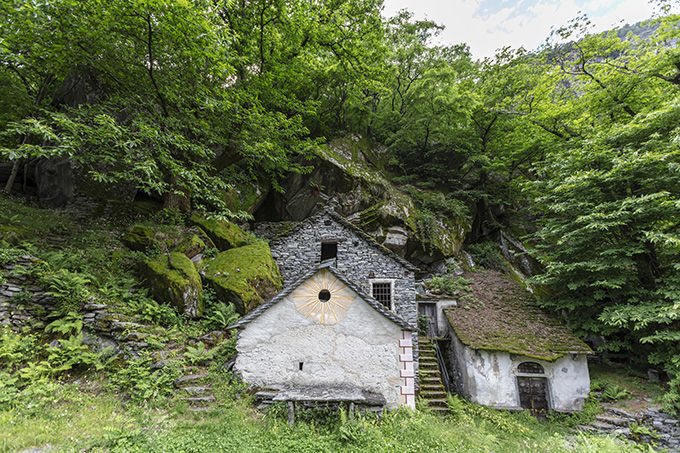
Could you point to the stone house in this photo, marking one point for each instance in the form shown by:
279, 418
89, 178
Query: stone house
300, 339
344, 329
324, 339
508, 354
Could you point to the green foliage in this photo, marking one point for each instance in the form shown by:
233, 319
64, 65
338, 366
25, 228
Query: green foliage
16, 349
198, 354
609, 392
68, 288
639, 431
148, 310
143, 384
210, 253
70, 323
218, 315
450, 284
487, 255
72, 353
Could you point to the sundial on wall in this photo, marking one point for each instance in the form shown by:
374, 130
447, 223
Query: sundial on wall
323, 298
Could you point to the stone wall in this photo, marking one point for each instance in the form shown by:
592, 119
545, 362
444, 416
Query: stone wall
24, 304
287, 347
360, 260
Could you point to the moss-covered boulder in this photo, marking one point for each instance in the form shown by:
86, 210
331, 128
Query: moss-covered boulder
138, 238
12, 235
225, 235
245, 276
190, 246
176, 282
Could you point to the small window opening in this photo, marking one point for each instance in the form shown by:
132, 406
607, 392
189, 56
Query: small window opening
382, 292
300, 365
329, 250
530, 367
324, 295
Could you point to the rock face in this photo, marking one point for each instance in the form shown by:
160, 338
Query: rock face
224, 234
54, 178
348, 175
176, 282
244, 276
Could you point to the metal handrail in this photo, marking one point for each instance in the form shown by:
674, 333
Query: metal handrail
442, 366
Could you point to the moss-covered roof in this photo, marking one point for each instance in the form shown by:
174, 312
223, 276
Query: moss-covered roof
496, 314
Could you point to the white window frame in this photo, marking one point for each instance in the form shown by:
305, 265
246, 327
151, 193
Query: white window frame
391, 281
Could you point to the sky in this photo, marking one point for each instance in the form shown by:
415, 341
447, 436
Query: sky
487, 25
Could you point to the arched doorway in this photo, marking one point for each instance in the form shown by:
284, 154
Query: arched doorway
533, 388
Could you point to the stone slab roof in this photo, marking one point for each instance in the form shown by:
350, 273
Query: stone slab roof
380, 308
497, 314
358, 231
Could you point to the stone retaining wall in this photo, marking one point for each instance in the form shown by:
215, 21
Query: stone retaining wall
24, 304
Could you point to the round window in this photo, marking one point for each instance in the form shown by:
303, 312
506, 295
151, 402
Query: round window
324, 295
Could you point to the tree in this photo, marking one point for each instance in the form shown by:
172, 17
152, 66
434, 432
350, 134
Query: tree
165, 106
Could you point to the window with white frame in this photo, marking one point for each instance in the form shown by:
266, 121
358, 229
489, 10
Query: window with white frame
381, 290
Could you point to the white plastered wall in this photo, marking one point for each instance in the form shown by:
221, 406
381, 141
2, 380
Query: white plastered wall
362, 349
490, 378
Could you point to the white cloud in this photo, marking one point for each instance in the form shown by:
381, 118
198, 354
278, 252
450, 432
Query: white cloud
514, 28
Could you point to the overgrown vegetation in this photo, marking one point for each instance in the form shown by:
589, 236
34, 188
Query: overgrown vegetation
183, 100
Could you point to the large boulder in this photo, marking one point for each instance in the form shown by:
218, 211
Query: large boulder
225, 235
54, 178
175, 281
244, 276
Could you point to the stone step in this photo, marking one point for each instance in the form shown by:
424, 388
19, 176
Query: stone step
612, 420
436, 402
200, 400
198, 390
430, 371
431, 380
433, 395
620, 412
189, 379
602, 426
440, 410
429, 368
431, 386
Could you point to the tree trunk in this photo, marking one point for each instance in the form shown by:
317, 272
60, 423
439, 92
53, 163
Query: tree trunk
13, 175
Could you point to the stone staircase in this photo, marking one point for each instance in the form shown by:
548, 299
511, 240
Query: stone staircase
196, 390
431, 388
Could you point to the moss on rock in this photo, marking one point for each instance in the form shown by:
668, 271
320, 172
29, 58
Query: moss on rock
176, 282
245, 276
225, 235
138, 238
191, 246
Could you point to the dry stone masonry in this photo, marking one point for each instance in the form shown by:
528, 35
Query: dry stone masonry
359, 258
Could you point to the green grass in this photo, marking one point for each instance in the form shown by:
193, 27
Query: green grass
82, 416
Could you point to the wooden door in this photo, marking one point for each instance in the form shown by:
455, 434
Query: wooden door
429, 310
533, 395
